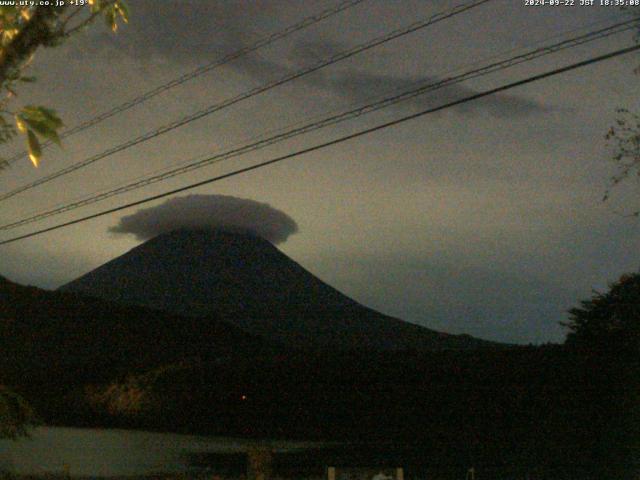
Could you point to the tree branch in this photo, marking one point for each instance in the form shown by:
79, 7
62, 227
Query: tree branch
35, 33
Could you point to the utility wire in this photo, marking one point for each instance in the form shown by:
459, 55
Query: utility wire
331, 120
250, 93
336, 141
261, 43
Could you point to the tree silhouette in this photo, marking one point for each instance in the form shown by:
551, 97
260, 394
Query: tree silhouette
624, 136
605, 332
608, 321
16, 416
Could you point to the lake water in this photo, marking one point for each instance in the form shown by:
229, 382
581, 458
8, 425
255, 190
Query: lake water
100, 452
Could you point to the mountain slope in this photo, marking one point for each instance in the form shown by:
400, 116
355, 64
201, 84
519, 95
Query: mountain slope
68, 338
250, 283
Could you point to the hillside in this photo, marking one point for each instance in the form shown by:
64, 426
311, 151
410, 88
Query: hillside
85, 362
73, 339
248, 282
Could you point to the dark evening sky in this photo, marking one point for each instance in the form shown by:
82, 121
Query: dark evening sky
485, 218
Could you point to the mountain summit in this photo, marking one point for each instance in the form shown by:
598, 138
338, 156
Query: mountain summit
247, 281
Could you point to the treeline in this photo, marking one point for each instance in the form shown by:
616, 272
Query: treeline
568, 409
537, 409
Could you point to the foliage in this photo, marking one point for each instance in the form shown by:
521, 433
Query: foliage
16, 416
137, 396
88, 363
608, 321
23, 29
129, 398
624, 136
606, 332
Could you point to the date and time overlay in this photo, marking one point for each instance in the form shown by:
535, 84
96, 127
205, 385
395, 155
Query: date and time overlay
581, 3
526, 3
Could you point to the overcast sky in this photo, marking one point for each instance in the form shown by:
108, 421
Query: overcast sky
485, 219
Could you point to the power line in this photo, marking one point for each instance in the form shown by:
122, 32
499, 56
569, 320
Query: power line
261, 43
438, 17
343, 116
331, 120
339, 140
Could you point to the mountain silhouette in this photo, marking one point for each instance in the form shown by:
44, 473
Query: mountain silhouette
68, 338
85, 362
246, 281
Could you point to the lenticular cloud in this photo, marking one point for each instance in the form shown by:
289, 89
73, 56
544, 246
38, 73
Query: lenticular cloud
204, 212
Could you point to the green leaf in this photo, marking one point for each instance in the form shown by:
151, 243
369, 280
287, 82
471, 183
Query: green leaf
44, 130
110, 18
41, 114
123, 10
43, 121
21, 124
35, 151
96, 5
112, 12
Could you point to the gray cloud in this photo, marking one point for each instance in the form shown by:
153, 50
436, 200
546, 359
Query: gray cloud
187, 30
197, 31
359, 87
209, 212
